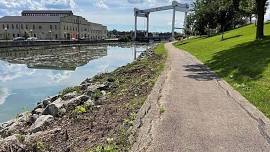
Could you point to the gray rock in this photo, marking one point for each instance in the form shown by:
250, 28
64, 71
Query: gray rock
77, 101
89, 103
62, 111
70, 95
8, 123
38, 111
41, 122
103, 92
33, 118
11, 138
51, 109
46, 102
92, 88
54, 98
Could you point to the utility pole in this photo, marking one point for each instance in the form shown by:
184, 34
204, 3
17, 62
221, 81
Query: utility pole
135, 29
173, 24
147, 30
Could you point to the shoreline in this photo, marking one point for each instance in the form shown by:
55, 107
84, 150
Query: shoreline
15, 44
105, 106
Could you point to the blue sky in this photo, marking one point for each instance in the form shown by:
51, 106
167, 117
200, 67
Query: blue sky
116, 14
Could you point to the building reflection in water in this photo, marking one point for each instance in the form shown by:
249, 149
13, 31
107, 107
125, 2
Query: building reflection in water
58, 58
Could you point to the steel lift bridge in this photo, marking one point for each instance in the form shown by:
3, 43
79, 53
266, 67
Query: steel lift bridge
145, 13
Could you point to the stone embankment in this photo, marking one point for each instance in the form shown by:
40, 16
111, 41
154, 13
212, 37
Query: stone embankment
83, 117
49, 109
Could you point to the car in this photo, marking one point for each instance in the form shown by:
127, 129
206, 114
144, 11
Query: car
82, 38
19, 39
31, 39
74, 39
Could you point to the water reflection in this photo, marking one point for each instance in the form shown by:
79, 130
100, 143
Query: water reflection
61, 58
29, 75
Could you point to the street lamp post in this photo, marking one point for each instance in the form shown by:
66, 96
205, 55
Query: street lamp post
65, 35
50, 35
6, 37
31, 31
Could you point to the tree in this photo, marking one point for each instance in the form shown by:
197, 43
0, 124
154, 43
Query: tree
189, 26
225, 14
260, 9
248, 8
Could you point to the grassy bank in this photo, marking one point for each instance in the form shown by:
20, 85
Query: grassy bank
98, 114
240, 60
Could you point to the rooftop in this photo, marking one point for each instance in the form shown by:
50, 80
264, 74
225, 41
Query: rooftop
30, 19
68, 12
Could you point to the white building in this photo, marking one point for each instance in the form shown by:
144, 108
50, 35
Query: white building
50, 25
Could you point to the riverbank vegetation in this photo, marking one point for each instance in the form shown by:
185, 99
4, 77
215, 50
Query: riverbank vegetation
96, 116
240, 60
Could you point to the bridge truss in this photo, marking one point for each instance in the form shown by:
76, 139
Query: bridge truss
145, 13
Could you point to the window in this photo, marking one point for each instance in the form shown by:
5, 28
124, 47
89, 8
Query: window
3, 26
17, 27
7, 26
21, 26
51, 27
56, 36
55, 27
12, 26
26, 26
40, 27
34, 26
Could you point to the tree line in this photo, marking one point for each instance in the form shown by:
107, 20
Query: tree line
222, 15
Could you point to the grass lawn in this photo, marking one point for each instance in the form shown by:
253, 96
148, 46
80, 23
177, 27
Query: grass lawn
240, 60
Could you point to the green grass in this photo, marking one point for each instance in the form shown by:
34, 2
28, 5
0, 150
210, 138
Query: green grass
160, 50
240, 60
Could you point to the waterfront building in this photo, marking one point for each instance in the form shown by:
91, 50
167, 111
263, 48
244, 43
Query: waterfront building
50, 25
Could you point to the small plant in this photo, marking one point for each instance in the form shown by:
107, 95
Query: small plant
79, 110
106, 148
39, 146
161, 110
96, 95
69, 90
20, 138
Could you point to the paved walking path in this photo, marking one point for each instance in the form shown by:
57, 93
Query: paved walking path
202, 113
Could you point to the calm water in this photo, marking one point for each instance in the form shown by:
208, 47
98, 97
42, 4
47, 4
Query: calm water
28, 76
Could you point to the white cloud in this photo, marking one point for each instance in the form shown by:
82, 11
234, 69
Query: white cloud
10, 72
59, 76
3, 95
101, 4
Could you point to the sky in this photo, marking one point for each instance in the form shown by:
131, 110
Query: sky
115, 14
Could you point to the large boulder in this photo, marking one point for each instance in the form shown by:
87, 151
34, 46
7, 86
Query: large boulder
70, 95
41, 122
37, 111
76, 101
46, 102
53, 108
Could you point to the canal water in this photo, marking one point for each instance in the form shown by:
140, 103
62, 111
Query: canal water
27, 76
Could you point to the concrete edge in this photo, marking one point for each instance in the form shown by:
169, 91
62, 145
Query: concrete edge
149, 113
